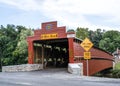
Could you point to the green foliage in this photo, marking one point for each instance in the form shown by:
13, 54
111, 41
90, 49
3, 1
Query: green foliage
117, 66
110, 41
71, 30
82, 33
116, 73
13, 45
7, 41
113, 73
96, 36
21, 49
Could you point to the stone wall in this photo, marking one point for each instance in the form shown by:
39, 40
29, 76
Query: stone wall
75, 68
23, 67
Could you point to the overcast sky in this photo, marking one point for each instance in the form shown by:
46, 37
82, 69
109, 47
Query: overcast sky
104, 14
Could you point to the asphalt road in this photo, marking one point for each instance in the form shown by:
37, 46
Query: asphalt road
53, 77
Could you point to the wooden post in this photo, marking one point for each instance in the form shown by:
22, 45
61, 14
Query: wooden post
42, 54
30, 52
71, 50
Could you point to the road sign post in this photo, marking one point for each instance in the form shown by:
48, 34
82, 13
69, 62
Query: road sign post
87, 56
87, 45
87, 67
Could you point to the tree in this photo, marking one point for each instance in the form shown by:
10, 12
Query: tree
3, 50
82, 33
21, 51
110, 41
13, 39
96, 36
8, 43
71, 30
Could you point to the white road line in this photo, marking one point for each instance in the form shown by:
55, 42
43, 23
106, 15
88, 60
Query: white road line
23, 83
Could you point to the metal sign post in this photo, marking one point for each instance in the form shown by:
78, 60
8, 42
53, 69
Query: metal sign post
87, 56
87, 45
87, 67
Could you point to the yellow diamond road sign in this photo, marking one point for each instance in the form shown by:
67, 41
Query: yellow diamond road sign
86, 44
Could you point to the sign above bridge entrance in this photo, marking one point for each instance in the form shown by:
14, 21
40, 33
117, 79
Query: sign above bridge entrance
49, 36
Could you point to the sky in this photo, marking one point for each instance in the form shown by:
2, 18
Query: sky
92, 14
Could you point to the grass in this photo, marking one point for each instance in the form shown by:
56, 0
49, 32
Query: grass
117, 66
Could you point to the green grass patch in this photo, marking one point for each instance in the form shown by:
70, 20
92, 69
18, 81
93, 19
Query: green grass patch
117, 66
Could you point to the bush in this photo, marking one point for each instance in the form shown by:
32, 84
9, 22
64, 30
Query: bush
116, 73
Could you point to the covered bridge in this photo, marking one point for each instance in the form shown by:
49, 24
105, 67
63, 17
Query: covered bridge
52, 44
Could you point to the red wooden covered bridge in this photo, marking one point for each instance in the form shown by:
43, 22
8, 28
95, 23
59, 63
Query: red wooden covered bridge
57, 47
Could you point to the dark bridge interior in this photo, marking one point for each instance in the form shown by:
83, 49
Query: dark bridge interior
51, 53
